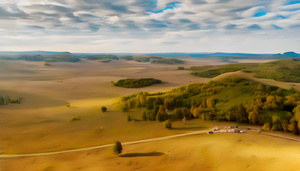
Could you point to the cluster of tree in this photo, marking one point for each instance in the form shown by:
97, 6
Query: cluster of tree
101, 57
166, 61
231, 99
62, 58
105, 61
141, 58
152, 59
136, 83
47, 64
7, 99
126, 57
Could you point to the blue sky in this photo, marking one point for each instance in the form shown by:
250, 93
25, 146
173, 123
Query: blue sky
256, 26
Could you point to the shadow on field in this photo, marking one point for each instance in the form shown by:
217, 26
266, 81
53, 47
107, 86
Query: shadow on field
142, 154
188, 128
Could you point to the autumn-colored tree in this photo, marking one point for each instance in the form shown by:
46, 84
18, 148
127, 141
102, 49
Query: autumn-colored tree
161, 114
253, 116
124, 106
178, 113
276, 124
186, 113
167, 102
297, 116
290, 103
267, 126
197, 112
210, 102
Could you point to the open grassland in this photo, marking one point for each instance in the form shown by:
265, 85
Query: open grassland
86, 86
41, 122
250, 151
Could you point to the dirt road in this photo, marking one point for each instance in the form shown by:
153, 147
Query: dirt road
100, 147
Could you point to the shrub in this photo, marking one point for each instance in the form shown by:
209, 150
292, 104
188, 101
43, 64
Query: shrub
129, 118
74, 119
47, 64
68, 105
180, 68
168, 124
117, 149
103, 109
267, 126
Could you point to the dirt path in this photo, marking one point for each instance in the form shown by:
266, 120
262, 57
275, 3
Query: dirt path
280, 136
101, 146
128, 143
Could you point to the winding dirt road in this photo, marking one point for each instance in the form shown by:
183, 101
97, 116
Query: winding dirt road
101, 146
128, 143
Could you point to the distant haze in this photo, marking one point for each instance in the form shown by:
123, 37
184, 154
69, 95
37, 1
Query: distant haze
150, 26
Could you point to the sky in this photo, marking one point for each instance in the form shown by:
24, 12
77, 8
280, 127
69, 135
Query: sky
150, 26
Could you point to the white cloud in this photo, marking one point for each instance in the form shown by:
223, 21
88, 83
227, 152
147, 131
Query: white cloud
147, 25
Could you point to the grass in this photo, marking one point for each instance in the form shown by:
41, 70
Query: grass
287, 70
213, 71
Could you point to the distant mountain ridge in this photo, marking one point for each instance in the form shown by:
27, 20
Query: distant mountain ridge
45, 54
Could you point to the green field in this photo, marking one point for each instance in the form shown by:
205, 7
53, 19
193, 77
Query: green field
287, 70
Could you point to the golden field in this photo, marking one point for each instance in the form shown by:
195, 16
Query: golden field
40, 122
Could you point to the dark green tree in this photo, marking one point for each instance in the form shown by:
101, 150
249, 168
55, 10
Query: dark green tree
103, 109
117, 149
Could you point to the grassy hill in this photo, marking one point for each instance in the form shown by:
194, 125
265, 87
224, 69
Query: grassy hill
152, 59
287, 70
62, 58
65, 57
213, 71
101, 57
231, 99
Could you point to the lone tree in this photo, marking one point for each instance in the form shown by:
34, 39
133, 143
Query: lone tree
117, 148
103, 109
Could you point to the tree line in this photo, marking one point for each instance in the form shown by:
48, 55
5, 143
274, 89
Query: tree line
7, 99
232, 99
